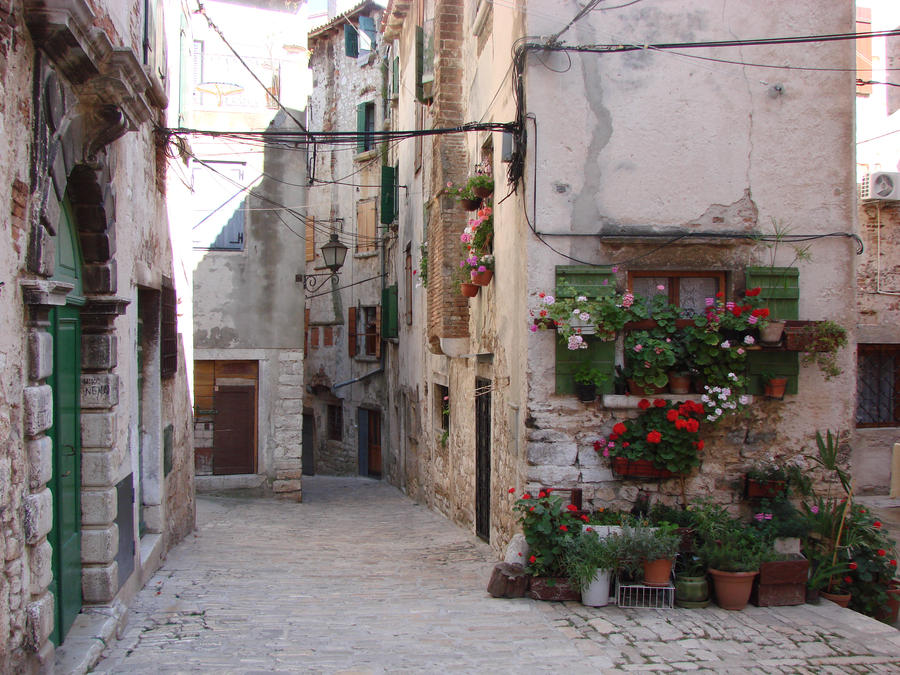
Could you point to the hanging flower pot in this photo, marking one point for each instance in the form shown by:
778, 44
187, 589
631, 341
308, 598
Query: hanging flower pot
483, 278
763, 489
469, 290
470, 204
638, 468
483, 192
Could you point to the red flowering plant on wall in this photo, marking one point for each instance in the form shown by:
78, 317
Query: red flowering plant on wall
547, 523
666, 432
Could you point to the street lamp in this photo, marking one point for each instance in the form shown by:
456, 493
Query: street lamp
333, 254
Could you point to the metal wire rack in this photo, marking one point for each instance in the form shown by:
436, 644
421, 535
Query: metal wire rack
638, 596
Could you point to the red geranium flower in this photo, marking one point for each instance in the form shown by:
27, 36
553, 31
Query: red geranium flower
848, 580
672, 415
693, 425
512, 490
531, 509
881, 553
572, 507
852, 565
659, 402
619, 428
720, 294
526, 496
700, 445
876, 524
753, 292
532, 559
598, 446
564, 528
585, 518
643, 404
893, 563
654, 437
541, 494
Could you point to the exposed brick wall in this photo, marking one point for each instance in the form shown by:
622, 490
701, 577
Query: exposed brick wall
18, 211
448, 310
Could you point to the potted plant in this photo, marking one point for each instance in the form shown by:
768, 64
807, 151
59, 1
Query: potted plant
548, 524
651, 357
587, 381
464, 195
469, 290
482, 185
481, 268
649, 551
774, 385
590, 561
782, 574
820, 340
733, 558
691, 584
765, 480
665, 436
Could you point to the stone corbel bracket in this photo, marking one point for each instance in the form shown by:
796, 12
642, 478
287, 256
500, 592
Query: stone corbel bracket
100, 73
45, 292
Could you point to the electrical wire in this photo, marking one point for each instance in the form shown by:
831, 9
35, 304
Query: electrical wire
861, 83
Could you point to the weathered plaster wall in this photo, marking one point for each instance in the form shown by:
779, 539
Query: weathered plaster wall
660, 141
879, 316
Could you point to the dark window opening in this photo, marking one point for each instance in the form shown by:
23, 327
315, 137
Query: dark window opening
877, 386
335, 423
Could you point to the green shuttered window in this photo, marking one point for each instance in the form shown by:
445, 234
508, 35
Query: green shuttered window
592, 282
389, 312
781, 289
388, 194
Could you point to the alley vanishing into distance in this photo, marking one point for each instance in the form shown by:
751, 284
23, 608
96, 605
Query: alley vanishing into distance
358, 578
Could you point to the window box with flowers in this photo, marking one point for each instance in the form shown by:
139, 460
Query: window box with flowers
666, 434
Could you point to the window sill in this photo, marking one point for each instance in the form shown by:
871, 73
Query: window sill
366, 156
626, 402
365, 254
367, 358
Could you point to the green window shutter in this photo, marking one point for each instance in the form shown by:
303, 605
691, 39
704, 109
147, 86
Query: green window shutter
388, 205
395, 77
420, 62
589, 281
781, 290
361, 127
389, 314
351, 40
367, 26
780, 287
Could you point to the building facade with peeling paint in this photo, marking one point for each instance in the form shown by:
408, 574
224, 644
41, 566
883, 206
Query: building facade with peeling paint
96, 472
640, 167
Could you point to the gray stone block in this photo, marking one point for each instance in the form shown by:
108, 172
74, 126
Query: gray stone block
555, 454
41, 564
98, 469
98, 507
40, 355
38, 409
99, 390
40, 462
100, 583
98, 430
99, 545
38, 518
99, 352
39, 622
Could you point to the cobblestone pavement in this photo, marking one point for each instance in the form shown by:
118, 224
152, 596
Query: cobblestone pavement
360, 579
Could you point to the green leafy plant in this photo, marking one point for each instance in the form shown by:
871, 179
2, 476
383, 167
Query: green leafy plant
737, 549
823, 339
666, 433
650, 356
586, 553
585, 374
547, 524
423, 264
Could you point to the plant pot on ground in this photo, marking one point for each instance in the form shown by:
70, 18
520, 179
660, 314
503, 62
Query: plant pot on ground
590, 561
781, 582
691, 584
650, 549
733, 558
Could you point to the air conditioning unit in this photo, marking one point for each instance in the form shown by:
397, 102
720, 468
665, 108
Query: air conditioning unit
880, 186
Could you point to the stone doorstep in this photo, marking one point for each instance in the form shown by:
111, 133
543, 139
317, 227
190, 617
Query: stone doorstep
94, 628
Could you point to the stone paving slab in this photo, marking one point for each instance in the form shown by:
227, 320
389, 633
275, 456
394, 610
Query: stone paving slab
359, 579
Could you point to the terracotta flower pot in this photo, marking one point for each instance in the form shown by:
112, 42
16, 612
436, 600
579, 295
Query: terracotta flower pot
890, 610
483, 192
732, 588
656, 572
679, 384
638, 468
483, 278
648, 390
470, 204
763, 489
776, 387
469, 290
840, 599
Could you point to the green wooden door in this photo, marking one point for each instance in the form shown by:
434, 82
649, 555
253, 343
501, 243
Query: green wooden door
65, 537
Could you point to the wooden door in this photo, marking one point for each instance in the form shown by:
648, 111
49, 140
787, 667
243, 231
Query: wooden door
309, 438
233, 436
374, 443
483, 459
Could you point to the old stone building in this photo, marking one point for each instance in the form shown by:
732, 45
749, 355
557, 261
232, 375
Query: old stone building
626, 166
878, 169
245, 74
95, 469
351, 324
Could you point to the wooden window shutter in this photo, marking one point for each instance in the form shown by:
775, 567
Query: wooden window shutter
310, 239
780, 286
361, 127
168, 332
351, 40
314, 337
365, 226
395, 78
420, 62
864, 50
389, 321
388, 190
351, 331
378, 331
367, 26
589, 281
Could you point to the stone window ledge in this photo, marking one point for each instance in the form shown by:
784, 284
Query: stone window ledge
625, 402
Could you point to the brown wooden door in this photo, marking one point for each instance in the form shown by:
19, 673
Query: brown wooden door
374, 443
233, 436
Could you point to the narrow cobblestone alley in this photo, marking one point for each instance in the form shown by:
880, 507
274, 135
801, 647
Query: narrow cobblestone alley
360, 579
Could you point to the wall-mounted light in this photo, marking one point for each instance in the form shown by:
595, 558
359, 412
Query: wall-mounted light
333, 254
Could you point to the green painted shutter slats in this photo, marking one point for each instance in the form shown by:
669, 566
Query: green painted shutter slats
389, 312
780, 286
361, 127
351, 40
388, 191
589, 281
367, 26
420, 62
395, 78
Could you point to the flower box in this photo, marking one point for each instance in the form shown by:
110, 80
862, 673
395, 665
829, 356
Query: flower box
781, 582
763, 489
554, 589
638, 468
797, 338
